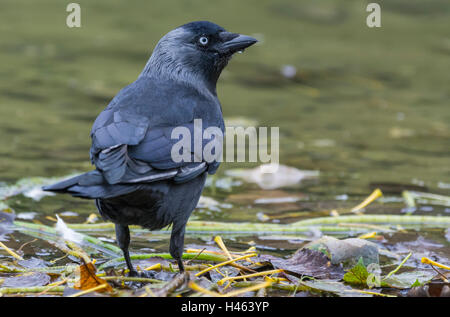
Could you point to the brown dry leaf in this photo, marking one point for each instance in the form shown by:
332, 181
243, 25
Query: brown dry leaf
305, 262
88, 279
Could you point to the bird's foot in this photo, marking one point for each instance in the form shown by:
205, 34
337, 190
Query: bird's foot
142, 274
185, 276
137, 281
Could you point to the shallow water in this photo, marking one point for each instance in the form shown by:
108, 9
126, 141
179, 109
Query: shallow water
365, 107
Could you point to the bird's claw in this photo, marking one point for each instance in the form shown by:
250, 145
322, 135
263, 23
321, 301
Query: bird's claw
185, 276
142, 274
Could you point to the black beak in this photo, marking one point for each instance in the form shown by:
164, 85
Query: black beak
233, 42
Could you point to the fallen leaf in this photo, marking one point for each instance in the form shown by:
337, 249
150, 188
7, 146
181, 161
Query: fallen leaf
88, 279
305, 262
32, 263
357, 275
330, 286
227, 271
408, 279
27, 280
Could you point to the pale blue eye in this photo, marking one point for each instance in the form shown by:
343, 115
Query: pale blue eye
203, 40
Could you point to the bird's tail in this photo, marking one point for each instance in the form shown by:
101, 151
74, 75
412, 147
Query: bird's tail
62, 186
90, 185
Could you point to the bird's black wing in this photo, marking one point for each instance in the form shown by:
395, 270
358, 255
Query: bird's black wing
130, 146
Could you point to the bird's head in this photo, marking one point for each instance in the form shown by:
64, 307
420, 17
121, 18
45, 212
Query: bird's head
197, 51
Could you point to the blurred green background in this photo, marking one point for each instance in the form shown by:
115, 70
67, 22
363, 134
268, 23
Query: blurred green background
362, 105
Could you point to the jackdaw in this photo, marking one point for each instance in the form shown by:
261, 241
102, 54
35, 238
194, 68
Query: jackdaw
136, 180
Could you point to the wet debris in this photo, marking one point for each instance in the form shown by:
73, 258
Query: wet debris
27, 280
306, 262
432, 289
265, 178
346, 251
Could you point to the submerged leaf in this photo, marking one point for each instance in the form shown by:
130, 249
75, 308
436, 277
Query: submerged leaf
6, 220
227, 271
329, 286
32, 263
306, 262
408, 279
27, 280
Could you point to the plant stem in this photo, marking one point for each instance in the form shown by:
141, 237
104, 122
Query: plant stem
398, 267
34, 289
438, 221
186, 256
283, 287
131, 279
299, 226
52, 269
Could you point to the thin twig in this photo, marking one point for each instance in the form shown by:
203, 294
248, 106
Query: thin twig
444, 278
131, 279
198, 254
93, 289
170, 287
26, 243
225, 263
54, 285
11, 252
232, 278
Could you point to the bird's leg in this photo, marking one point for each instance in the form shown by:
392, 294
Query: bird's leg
177, 245
123, 240
180, 265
